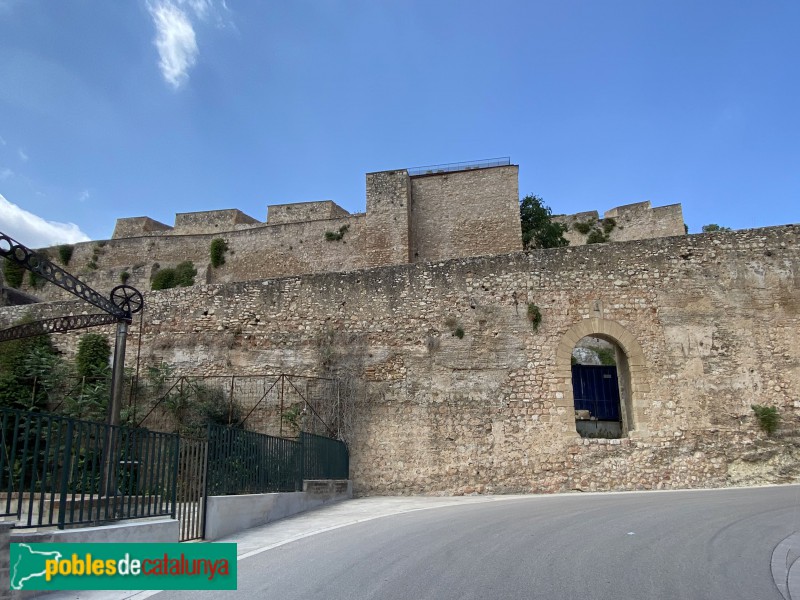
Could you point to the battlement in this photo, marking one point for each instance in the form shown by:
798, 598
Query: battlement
304, 211
426, 214
637, 221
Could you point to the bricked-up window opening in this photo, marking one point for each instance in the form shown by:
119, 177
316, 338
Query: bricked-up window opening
596, 389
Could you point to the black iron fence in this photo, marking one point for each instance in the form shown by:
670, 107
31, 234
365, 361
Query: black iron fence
60, 471
244, 462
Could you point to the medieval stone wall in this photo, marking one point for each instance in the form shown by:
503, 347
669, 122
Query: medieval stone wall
254, 253
304, 211
637, 221
707, 325
465, 213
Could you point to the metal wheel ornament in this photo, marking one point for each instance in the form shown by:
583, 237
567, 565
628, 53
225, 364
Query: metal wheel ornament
127, 298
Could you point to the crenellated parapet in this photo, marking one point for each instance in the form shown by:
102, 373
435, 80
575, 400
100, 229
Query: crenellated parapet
638, 221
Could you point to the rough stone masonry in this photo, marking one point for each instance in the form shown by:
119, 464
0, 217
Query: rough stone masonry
707, 325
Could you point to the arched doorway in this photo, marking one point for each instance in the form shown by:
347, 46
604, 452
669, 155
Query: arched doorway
626, 409
596, 388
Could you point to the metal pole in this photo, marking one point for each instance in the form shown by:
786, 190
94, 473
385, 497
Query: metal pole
114, 406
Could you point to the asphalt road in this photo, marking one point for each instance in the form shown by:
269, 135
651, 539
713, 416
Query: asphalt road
694, 545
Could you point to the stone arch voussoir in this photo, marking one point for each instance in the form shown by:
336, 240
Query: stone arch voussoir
636, 371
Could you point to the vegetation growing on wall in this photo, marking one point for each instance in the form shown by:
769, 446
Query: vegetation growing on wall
181, 276
65, 253
767, 416
596, 237
583, 227
28, 369
124, 276
13, 273
711, 228
97, 250
92, 359
217, 251
335, 236
534, 316
538, 228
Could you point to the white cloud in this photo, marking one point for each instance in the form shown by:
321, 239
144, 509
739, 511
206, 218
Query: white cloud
22, 156
84, 196
5, 174
176, 40
33, 231
176, 43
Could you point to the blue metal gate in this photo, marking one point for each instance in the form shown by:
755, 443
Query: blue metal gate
596, 389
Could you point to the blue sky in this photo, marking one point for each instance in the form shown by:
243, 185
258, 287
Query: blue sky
153, 107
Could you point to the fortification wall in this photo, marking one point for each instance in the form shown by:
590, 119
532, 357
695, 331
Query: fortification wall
254, 253
465, 213
304, 211
708, 324
638, 221
430, 217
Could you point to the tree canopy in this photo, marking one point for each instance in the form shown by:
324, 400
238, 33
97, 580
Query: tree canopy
538, 228
714, 227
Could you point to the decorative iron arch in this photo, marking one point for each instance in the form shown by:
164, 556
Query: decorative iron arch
633, 373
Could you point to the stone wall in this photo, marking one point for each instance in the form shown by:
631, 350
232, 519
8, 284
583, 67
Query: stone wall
212, 221
433, 217
707, 325
137, 226
304, 211
637, 221
388, 206
465, 213
254, 253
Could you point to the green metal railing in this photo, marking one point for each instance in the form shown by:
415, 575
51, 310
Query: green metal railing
244, 462
324, 458
60, 471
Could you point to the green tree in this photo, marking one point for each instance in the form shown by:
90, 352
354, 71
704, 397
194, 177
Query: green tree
29, 369
538, 228
714, 227
92, 358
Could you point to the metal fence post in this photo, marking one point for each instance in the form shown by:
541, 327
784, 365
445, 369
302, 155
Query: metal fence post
175, 462
62, 501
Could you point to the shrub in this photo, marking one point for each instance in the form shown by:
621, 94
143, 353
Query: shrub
596, 237
459, 332
65, 253
35, 280
14, 273
767, 417
93, 355
711, 228
335, 236
181, 276
534, 316
609, 224
124, 276
29, 368
583, 227
217, 251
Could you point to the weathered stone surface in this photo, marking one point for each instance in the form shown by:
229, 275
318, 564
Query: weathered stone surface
708, 325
